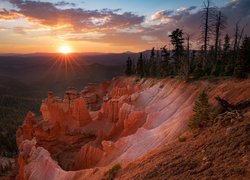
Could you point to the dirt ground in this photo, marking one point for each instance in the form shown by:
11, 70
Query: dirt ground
218, 152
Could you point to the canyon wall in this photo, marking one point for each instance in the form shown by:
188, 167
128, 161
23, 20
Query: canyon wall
86, 132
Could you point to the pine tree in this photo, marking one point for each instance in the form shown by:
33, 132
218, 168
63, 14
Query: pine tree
198, 71
146, 67
164, 62
226, 45
227, 60
128, 70
177, 41
201, 109
153, 65
242, 63
140, 66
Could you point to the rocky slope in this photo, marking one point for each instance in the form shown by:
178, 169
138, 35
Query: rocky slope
71, 141
218, 152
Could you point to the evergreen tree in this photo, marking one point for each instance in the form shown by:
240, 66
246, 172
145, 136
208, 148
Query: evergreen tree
192, 61
164, 62
211, 61
201, 109
128, 70
140, 66
227, 60
158, 67
133, 67
226, 45
153, 65
198, 71
177, 41
242, 63
146, 67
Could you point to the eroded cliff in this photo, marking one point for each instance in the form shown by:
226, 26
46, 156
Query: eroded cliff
132, 117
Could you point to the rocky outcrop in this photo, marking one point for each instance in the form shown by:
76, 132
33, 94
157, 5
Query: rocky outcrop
134, 118
87, 157
69, 114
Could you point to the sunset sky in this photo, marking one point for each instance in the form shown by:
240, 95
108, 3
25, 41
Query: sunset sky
104, 25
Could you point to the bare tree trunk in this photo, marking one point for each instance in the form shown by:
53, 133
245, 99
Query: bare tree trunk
187, 60
240, 37
207, 8
237, 40
217, 34
236, 34
229, 107
218, 27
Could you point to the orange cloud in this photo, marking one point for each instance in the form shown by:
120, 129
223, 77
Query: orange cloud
7, 15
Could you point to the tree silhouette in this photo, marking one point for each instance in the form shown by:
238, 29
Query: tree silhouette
153, 64
242, 63
227, 60
140, 66
128, 70
219, 26
177, 41
164, 62
206, 28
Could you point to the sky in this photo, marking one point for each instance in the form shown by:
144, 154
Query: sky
106, 25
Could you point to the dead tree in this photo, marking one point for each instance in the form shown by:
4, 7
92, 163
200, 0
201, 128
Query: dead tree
206, 30
237, 40
186, 61
230, 107
219, 26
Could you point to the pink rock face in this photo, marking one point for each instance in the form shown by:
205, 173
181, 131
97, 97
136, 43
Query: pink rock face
135, 118
88, 157
80, 112
134, 121
69, 114
111, 110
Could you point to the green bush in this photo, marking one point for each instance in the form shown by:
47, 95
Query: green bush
110, 175
201, 109
214, 113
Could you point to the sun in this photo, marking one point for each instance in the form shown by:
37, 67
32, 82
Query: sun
65, 49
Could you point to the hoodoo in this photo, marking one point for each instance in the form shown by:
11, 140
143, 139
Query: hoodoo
134, 118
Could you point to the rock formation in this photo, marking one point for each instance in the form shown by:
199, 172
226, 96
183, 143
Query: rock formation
114, 122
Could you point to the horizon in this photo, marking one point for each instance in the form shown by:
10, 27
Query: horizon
105, 27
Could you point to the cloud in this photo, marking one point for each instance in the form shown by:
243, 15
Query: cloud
112, 26
164, 15
170, 15
83, 36
48, 14
6, 15
64, 3
189, 19
19, 30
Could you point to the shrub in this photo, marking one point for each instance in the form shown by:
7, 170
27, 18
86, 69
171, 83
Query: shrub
214, 113
110, 175
201, 109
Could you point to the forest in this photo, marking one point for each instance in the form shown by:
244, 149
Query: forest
219, 54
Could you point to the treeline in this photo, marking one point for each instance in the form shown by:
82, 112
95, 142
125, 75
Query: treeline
218, 55
13, 110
